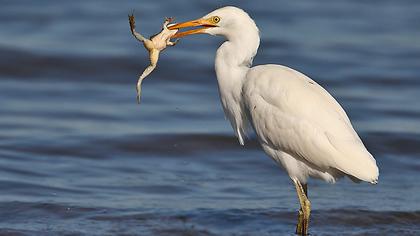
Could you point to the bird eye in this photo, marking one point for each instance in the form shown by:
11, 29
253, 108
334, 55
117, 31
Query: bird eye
215, 19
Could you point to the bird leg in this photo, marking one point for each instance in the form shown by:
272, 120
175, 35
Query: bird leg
305, 209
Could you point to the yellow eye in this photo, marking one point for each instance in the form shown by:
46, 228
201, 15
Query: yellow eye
215, 19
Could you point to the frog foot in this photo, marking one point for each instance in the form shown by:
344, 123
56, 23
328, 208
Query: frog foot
167, 21
172, 43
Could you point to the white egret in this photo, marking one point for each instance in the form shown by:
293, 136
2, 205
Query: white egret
297, 122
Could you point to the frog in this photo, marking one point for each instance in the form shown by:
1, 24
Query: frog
154, 45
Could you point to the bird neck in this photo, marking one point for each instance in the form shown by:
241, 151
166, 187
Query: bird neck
233, 60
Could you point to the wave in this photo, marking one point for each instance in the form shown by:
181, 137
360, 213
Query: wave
176, 144
152, 144
394, 143
61, 217
189, 143
21, 64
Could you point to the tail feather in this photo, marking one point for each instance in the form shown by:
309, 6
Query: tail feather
355, 160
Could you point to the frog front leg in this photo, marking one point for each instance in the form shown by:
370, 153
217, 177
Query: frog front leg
169, 20
169, 43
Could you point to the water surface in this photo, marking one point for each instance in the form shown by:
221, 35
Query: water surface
78, 156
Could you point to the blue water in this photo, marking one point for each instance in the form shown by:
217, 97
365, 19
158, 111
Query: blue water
78, 156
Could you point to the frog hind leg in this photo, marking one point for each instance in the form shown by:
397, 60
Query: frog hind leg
137, 35
154, 57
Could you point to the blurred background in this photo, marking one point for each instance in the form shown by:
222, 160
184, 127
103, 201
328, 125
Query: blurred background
78, 156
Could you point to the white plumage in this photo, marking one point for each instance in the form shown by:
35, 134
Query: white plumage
301, 126
298, 123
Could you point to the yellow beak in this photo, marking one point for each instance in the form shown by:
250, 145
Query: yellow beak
203, 24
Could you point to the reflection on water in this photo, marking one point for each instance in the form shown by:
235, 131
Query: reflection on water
79, 156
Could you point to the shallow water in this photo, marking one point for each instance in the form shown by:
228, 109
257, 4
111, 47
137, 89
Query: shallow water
78, 156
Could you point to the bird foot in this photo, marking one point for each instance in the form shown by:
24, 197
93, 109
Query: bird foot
304, 211
299, 225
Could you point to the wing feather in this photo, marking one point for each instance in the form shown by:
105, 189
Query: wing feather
292, 113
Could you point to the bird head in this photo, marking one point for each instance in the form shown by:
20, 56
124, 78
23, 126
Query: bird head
231, 22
